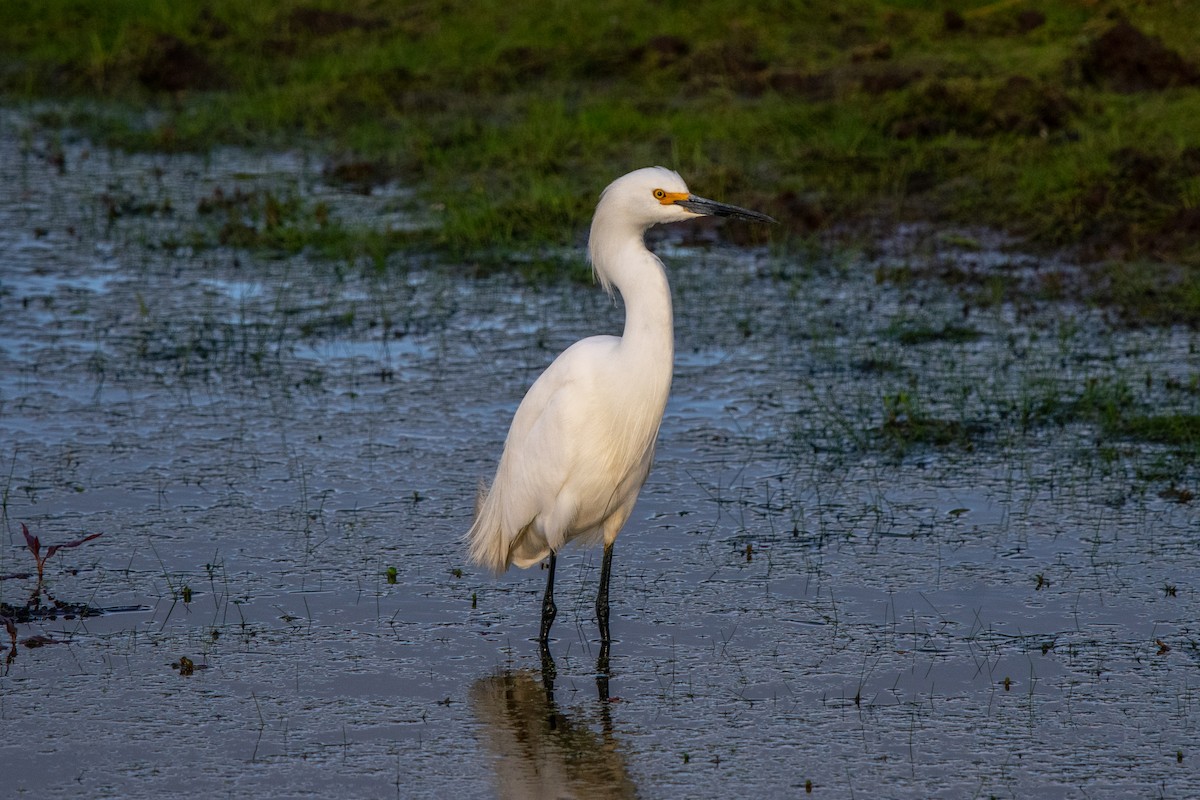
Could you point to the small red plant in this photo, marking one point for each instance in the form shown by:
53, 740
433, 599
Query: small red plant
35, 547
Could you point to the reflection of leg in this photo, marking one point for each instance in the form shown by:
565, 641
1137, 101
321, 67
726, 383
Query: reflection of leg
602, 674
602, 595
549, 673
549, 611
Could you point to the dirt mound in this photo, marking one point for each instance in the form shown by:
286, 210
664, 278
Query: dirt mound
173, 65
323, 22
1127, 60
1019, 105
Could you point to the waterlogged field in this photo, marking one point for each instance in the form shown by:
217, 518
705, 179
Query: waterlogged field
904, 537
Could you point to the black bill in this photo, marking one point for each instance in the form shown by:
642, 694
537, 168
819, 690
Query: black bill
711, 208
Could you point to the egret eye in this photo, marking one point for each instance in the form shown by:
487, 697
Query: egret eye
659, 194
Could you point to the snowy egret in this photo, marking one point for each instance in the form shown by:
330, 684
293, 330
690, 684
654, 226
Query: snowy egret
582, 440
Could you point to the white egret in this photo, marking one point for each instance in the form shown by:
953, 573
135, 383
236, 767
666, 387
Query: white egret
582, 440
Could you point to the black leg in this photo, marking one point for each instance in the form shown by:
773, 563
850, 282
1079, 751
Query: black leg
549, 610
602, 596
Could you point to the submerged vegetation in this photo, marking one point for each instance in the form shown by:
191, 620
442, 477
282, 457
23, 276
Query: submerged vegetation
1073, 124
915, 419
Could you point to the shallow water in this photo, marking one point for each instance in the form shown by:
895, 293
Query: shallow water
794, 599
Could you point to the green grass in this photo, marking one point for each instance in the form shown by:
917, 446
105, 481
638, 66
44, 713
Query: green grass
919, 415
511, 116
907, 425
915, 332
1174, 429
1115, 408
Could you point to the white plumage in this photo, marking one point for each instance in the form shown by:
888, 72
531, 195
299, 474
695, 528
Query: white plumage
582, 440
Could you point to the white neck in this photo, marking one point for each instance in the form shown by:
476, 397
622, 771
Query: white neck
620, 259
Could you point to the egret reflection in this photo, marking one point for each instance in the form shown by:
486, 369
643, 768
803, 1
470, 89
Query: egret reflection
542, 751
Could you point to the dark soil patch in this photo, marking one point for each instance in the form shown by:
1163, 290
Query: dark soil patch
1030, 20
358, 175
889, 78
1021, 22
819, 86
661, 51
733, 64
173, 65
1127, 60
1019, 105
878, 51
209, 26
803, 214
323, 22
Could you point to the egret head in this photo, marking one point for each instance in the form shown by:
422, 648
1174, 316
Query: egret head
634, 202
654, 195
